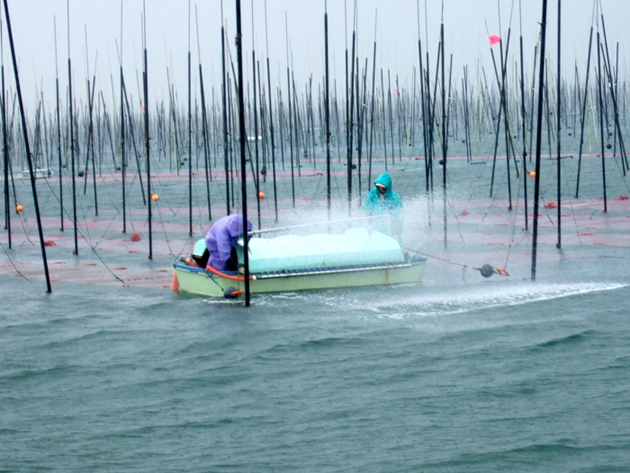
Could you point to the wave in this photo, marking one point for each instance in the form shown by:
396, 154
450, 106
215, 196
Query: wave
566, 340
484, 298
52, 372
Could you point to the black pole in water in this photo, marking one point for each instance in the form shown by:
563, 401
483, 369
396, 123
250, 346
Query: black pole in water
73, 169
280, 123
424, 112
225, 119
433, 102
233, 140
273, 145
133, 142
541, 83
264, 142
90, 143
58, 134
613, 95
391, 114
466, 114
204, 125
147, 141
369, 179
531, 115
327, 112
558, 116
122, 126
360, 121
504, 101
444, 133
524, 131
257, 175
601, 120
190, 205
384, 127
122, 147
5, 152
583, 114
290, 130
289, 111
243, 135
27, 147
351, 126
297, 124
93, 144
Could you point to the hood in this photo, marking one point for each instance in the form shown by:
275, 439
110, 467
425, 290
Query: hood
235, 224
386, 180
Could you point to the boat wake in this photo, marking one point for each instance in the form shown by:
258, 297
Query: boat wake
476, 299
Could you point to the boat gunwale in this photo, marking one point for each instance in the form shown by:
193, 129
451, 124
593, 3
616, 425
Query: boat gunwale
310, 272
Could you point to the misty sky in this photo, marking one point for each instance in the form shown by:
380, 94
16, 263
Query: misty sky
396, 23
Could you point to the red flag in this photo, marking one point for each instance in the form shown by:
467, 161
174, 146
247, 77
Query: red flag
494, 39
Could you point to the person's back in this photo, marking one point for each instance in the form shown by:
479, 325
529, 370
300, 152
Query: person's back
221, 241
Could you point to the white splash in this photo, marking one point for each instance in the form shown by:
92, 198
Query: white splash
477, 298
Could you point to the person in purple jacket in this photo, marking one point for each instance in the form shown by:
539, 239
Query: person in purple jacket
221, 240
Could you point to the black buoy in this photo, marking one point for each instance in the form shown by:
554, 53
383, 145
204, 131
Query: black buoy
608, 146
486, 271
231, 293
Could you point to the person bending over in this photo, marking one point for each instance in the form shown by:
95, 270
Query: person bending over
221, 241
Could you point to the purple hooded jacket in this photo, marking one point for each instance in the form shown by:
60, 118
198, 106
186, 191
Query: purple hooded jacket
222, 237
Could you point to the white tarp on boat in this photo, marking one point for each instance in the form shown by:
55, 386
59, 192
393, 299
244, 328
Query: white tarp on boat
355, 247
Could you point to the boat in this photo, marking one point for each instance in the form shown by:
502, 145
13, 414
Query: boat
358, 257
21, 175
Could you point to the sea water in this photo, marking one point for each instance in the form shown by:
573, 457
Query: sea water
485, 376
460, 373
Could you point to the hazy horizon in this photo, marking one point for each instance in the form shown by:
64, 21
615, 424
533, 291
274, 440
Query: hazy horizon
169, 39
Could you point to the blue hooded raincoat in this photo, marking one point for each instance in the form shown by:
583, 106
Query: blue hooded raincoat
222, 237
388, 203
381, 204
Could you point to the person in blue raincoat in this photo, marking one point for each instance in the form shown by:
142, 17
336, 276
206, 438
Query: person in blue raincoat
382, 200
221, 241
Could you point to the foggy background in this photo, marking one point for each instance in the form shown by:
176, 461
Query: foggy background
99, 30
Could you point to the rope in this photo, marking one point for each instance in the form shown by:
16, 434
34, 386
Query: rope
464, 266
13, 264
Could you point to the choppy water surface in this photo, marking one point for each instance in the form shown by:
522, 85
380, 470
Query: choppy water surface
488, 375
460, 373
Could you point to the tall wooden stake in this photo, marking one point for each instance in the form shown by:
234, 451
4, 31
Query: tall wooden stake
541, 83
243, 137
27, 147
558, 117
